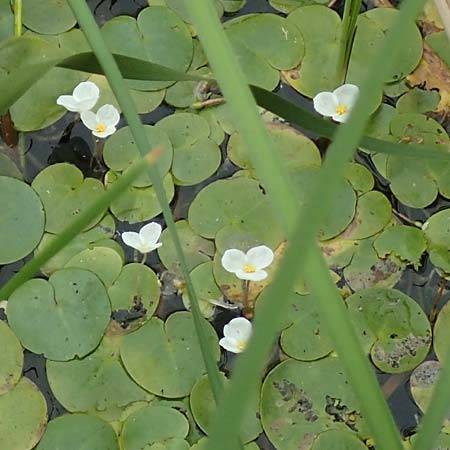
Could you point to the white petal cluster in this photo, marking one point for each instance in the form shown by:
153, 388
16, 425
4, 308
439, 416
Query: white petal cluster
337, 104
146, 240
236, 335
84, 97
248, 266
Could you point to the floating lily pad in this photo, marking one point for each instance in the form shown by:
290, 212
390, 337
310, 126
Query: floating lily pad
165, 358
153, 425
203, 444
300, 400
120, 152
408, 243
138, 204
337, 440
62, 318
137, 287
6, 20
21, 220
296, 150
23, 410
78, 431
418, 101
287, 6
437, 234
205, 287
441, 331
195, 156
360, 178
392, 327
98, 383
98, 236
196, 249
145, 101
304, 338
224, 204
66, 194
11, 358
48, 16
158, 35
442, 441
373, 213
7, 167
105, 262
422, 382
204, 408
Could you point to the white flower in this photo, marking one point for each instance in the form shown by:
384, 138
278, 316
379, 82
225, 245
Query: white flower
146, 240
250, 265
337, 104
236, 334
103, 123
83, 98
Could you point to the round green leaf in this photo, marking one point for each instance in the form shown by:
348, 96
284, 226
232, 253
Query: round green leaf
153, 425
165, 358
337, 440
11, 358
437, 234
23, 410
136, 288
138, 204
98, 236
21, 220
287, 6
392, 327
359, 177
98, 383
7, 167
418, 101
196, 249
195, 156
202, 444
78, 432
66, 194
158, 35
120, 152
48, 16
441, 332
62, 318
300, 400
204, 408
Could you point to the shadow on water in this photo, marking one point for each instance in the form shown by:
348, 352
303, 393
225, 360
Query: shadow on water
68, 141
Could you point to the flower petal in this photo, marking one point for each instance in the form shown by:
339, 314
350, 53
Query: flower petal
68, 102
251, 276
341, 117
132, 239
233, 260
230, 345
89, 119
239, 329
325, 103
108, 115
347, 94
150, 233
87, 94
103, 134
260, 257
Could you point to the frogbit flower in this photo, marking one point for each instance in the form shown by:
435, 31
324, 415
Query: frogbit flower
250, 265
83, 98
236, 334
103, 123
337, 104
146, 240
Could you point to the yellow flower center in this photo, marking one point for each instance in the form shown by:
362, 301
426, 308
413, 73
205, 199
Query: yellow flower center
241, 345
101, 127
249, 268
341, 109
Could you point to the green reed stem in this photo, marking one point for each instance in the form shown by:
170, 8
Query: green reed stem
348, 29
120, 89
17, 17
301, 242
76, 227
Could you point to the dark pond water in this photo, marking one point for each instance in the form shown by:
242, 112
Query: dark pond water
67, 141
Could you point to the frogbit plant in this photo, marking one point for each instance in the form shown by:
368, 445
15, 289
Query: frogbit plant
103, 123
236, 334
337, 104
146, 240
84, 97
248, 267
